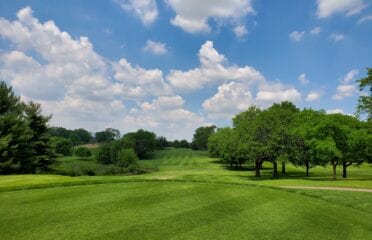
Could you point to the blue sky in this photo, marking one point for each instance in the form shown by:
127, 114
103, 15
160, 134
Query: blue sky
171, 66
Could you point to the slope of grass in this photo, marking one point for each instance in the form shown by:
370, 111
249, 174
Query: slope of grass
191, 196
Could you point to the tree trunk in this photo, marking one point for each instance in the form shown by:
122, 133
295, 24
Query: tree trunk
344, 168
307, 168
283, 168
257, 167
275, 169
334, 166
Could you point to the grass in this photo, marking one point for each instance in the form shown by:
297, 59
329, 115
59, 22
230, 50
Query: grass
191, 196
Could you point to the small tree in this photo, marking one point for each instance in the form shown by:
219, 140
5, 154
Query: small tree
127, 158
83, 152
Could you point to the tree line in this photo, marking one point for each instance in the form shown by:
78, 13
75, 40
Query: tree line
284, 134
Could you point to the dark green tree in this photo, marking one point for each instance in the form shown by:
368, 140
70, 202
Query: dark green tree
62, 145
201, 135
143, 142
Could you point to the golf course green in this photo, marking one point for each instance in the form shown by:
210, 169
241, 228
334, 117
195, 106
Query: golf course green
188, 196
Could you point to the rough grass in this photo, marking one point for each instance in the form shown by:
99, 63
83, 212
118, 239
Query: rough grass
191, 196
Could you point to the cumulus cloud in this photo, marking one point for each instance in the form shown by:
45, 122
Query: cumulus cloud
336, 37
326, 8
302, 78
346, 88
230, 99
166, 116
296, 35
145, 10
313, 96
276, 92
83, 89
157, 48
192, 16
213, 69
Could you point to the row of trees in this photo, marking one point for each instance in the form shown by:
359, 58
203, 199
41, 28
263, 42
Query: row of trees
308, 138
283, 134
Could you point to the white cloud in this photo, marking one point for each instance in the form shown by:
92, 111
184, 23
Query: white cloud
157, 48
193, 15
333, 111
346, 88
350, 76
83, 89
145, 10
343, 91
313, 96
337, 37
268, 96
302, 78
365, 19
240, 31
326, 8
296, 35
164, 115
214, 69
150, 82
230, 99
315, 31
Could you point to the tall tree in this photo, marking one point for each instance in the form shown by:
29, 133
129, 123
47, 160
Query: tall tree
365, 101
201, 135
43, 152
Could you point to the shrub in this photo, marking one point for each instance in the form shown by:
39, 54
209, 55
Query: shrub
127, 158
82, 152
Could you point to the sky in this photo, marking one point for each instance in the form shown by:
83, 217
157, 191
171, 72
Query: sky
170, 66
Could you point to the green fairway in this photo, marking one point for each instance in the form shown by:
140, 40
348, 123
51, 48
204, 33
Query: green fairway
190, 196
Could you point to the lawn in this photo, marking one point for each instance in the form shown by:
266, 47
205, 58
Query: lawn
190, 196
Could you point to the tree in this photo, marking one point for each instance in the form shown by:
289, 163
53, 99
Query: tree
24, 140
106, 154
277, 142
303, 124
201, 135
83, 152
249, 142
106, 136
127, 158
143, 142
83, 135
43, 152
365, 101
14, 132
62, 145
161, 142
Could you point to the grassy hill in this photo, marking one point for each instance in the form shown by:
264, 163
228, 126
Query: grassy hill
191, 196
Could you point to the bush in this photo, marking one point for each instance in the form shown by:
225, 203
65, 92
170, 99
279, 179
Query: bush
82, 152
127, 158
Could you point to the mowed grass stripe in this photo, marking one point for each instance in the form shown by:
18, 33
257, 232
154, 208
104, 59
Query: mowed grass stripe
180, 211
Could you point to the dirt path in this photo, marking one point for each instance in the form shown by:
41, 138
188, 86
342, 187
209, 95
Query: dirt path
330, 188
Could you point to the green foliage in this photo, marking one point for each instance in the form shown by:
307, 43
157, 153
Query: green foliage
365, 101
82, 152
161, 142
108, 135
24, 140
127, 158
77, 136
201, 135
62, 145
143, 142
